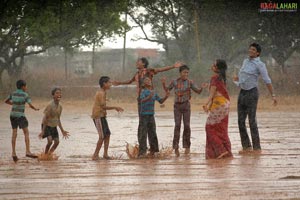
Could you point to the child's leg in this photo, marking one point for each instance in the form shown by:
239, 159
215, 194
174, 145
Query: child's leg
152, 135
142, 136
186, 138
98, 147
54, 146
177, 119
50, 142
99, 128
27, 141
106, 144
13, 141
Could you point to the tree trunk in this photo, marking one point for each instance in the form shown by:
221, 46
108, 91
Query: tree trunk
66, 64
1, 81
93, 56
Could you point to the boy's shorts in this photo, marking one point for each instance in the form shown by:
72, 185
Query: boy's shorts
20, 122
51, 131
102, 127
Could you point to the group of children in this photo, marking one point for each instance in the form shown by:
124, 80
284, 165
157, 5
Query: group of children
51, 119
146, 100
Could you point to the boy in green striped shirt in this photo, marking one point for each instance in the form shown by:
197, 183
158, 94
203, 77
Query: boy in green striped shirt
17, 116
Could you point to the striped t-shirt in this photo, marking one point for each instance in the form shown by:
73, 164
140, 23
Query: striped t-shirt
18, 98
147, 107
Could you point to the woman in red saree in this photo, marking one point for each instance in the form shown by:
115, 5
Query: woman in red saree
217, 141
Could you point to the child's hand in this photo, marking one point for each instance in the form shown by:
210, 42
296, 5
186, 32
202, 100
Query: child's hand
41, 135
65, 134
235, 78
205, 108
163, 80
178, 64
118, 109
151, 94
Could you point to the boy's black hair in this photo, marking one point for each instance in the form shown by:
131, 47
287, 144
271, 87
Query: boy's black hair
144, 61
54, 90
20, 84
102, 80
183, 67
256, 46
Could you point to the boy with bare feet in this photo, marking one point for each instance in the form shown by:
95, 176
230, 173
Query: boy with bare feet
99, 117
50, 122
18, 99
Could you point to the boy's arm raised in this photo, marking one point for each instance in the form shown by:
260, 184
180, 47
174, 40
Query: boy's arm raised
176, 65
165, 98
116, 83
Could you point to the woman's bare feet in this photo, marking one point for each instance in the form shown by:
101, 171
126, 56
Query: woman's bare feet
223, 155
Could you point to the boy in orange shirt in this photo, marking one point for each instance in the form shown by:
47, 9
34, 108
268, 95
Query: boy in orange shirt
99, 117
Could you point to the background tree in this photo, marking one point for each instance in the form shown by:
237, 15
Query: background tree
31, 27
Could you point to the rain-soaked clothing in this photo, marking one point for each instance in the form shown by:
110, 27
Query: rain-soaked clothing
217, 140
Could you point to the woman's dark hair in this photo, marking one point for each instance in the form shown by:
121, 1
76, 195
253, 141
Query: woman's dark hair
144, 61
102, 80
54, 90
20, 84
222, 67
183, 67
256, 46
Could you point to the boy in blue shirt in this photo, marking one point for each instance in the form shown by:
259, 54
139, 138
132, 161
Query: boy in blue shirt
148, 98
17, 116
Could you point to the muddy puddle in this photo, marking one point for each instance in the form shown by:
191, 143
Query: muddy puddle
274, 174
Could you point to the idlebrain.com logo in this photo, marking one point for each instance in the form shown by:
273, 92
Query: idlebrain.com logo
278, 7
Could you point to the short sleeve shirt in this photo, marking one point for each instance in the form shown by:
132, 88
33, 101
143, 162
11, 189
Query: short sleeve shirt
147, 107
182, 89
19, 98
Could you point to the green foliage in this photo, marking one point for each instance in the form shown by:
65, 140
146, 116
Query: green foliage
32, 26
225, 29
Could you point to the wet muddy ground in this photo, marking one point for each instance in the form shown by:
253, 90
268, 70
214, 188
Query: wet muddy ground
274, 174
